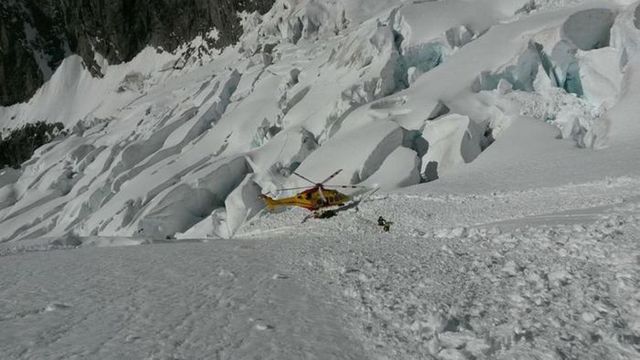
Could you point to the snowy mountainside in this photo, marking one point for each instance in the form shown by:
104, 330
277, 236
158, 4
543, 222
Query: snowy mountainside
395, 93
37, 35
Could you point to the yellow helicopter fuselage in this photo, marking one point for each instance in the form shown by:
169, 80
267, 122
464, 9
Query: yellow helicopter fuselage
309, 199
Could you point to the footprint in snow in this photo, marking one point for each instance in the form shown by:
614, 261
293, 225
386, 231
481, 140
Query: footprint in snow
56, 306
261, 325
226, 274
132, 338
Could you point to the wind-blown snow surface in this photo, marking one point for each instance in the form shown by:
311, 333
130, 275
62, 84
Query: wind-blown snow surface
525, 247
521, 273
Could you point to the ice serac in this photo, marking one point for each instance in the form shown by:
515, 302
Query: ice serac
242, 204
453, 140
359, 152
600, 76
401, 168
8, 195
589, 29
187, 204
282, 154
622, 119
369, 66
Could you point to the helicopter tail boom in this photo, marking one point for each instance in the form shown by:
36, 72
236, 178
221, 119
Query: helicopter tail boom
270, 202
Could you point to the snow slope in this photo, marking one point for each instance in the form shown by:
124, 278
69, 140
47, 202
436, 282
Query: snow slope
543, 273
511, 127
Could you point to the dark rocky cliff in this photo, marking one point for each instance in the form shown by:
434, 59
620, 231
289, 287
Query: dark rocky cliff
36, 35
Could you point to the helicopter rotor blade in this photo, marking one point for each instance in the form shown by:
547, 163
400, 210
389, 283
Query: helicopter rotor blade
324, 200
346, 186
302, 177
331, 176
294, 188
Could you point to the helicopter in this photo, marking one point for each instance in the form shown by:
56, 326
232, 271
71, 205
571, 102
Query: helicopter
315, 198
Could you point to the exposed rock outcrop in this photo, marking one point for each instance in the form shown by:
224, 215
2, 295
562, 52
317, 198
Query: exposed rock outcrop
36, 35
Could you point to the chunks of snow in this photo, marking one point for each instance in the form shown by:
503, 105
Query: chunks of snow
576, 118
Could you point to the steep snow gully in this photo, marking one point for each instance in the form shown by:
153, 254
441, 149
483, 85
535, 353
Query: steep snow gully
157, 148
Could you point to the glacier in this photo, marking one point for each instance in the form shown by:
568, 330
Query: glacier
501, 137
311, 87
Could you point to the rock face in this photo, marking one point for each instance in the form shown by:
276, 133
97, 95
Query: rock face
36, 35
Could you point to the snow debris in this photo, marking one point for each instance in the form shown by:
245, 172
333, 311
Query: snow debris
56, 306
532, 294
